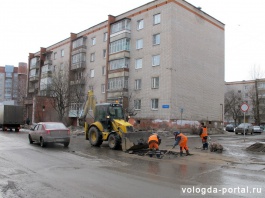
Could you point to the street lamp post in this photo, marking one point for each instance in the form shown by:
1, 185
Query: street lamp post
222, 114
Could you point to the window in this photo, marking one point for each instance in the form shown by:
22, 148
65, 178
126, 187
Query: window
77, 58
154, 104
79, 42
139, 44
156, 19
103, 70
118, 83
105, 36
62, 53
140, 24
104, 53
119, 63
55, 55
120, 26
156, 39
137, 104
120, 45
155, 82
92, 57
138, 84
92, 73
102, 88
138, 63
156, 60
93, 41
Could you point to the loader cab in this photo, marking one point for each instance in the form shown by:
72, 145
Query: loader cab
106, 112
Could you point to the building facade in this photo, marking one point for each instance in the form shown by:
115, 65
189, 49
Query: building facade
249, 92
164, 61
13, 83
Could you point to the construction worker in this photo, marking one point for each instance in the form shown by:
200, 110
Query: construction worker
181, 140
204, 136
154, 141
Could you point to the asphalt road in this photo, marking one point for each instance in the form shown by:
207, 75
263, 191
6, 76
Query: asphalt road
84, 171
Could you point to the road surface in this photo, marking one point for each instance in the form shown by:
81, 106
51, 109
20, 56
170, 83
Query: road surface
83, 171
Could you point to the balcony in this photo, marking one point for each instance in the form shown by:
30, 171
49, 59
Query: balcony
46, 74
33, 78
31, 90
78, 82
48, 62
35, 66
79, 65
80, 49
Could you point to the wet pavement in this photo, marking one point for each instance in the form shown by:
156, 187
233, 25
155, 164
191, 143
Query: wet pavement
102, 172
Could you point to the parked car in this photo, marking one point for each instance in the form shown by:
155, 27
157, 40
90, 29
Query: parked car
257, 129
230, 128
49, 132
240, 128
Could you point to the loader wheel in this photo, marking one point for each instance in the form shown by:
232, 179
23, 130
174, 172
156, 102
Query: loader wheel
95, 136
114, 141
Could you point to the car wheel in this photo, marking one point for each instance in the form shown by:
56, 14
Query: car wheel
236, 133
30, 140
42, 143
66, 144
95, 136
114, 141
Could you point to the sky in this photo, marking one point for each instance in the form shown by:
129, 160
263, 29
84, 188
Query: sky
27, 25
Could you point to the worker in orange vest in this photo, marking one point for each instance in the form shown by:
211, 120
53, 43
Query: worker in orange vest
182, 141
204, 136
154, 141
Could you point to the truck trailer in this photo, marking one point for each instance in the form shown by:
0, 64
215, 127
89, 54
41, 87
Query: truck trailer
11, 117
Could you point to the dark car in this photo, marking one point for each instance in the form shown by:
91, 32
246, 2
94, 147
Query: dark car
247, 127
230, 128
257, 129
50, 132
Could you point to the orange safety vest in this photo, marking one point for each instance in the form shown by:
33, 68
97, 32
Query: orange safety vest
183, 138
153, 138
204, 132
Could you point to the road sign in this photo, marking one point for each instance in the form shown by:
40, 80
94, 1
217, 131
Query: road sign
165, 106
244, 107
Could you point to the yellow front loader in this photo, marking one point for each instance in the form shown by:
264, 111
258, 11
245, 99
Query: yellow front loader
110, 125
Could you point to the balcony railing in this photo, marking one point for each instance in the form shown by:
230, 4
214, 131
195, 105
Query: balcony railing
79, 65
48, 62
77, 82
33, 78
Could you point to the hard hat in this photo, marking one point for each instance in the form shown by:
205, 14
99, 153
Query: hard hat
176, 133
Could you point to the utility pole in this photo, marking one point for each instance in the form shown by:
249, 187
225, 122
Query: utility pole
257, 102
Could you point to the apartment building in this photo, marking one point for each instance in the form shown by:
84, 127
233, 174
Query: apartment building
163, 61
13, 83
248, 90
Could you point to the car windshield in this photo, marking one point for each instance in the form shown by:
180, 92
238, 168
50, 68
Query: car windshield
244, 125
55, 126
256, 127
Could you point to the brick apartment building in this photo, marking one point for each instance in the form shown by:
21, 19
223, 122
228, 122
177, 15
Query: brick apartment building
13, 83
164, 60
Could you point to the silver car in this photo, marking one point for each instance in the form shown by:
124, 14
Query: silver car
50, 132
244, 127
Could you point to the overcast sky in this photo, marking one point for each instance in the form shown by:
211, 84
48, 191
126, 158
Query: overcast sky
27, 25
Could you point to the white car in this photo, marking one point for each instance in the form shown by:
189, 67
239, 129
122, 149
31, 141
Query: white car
50, 132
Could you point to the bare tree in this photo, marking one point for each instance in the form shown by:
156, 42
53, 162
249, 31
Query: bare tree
256, 74
59, 88
232, 105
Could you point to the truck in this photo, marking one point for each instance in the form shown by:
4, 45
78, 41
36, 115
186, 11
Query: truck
11, 117
111, 125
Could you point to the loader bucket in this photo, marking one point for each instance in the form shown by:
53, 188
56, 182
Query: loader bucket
135, 140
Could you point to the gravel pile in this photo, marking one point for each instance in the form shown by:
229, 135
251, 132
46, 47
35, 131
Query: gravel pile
257, 147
